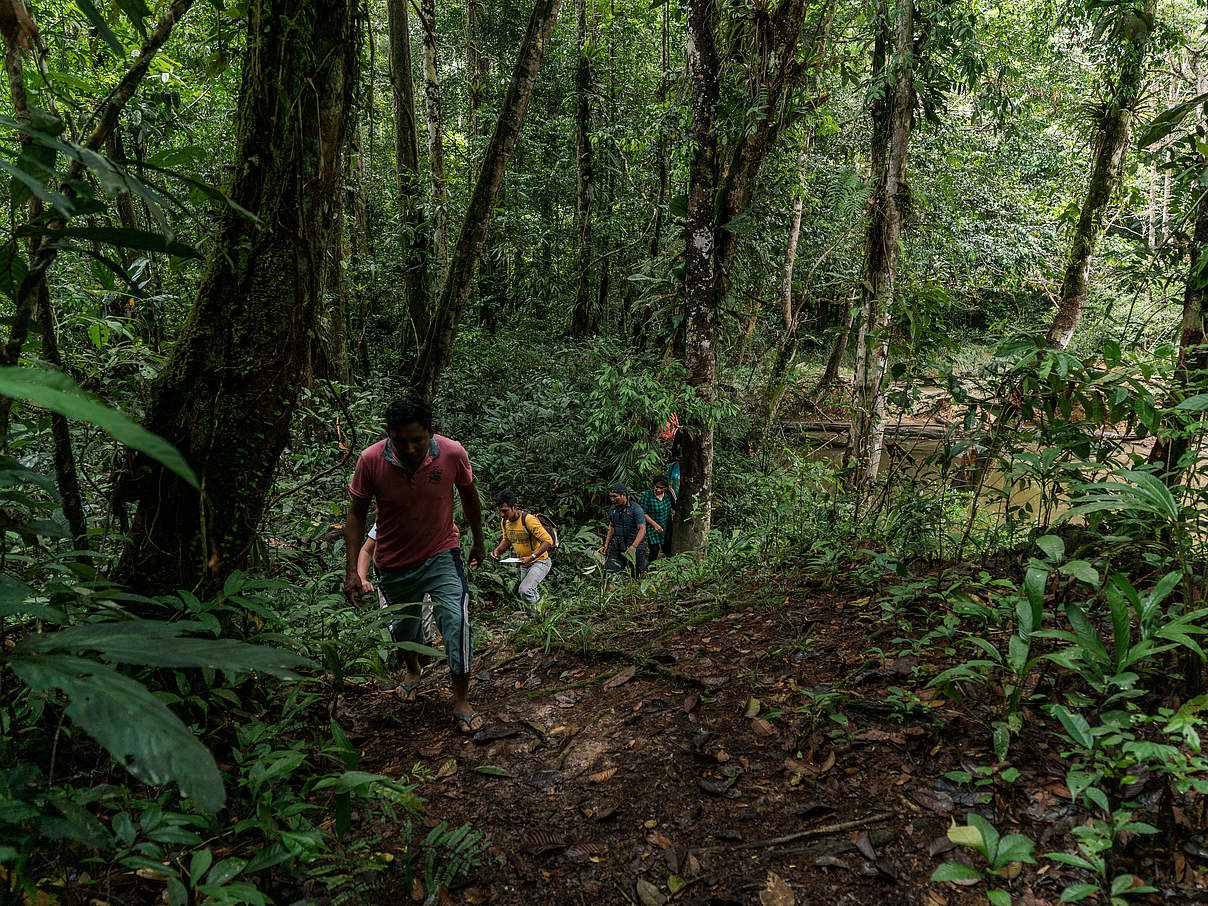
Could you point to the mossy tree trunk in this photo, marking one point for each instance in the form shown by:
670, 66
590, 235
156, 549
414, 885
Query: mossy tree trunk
227, 393
892, 123
582, 320
439, 208
416, 235
717, 196
1170, 449
1111, 147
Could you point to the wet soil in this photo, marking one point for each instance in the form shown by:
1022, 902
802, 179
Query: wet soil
768, 754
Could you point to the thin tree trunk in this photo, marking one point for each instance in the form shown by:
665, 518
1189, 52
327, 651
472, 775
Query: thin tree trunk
226, 395
1111, 147
1170, 449
455, 291
416, 233
661, 138
582, 320
830, 373
701, 276
881, 253
436, 149
477, 85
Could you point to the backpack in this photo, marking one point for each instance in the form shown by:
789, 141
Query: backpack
546, 523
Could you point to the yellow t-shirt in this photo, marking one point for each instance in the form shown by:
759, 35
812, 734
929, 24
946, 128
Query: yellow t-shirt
522, 542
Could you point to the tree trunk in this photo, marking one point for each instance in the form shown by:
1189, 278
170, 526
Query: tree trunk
478, 84
459, 278
416, 233
892, 121
581, 318
701, 276
1111, 146
830, 373
661, 139
439, 209
1172, 445
790, 252
227, 393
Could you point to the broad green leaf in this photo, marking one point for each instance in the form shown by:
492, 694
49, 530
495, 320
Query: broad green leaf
1168, 120
56, 391
966, 835
160, 644
1076, 726
1052, 545
132, 724
989, 838
998, 898
1082, 571
36, 188
1015, 848
956, 871
1076, 893
122, 238
137, 12
1197, 403
93, 15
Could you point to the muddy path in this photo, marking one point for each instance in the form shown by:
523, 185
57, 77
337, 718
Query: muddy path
760, 756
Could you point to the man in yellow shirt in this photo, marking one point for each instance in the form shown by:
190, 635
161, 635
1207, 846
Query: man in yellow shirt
524, 533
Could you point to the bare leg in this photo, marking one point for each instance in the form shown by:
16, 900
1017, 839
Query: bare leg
461, 707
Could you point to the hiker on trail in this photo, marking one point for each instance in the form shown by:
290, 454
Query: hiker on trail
411, 474
626, 532
657, 503
524, 533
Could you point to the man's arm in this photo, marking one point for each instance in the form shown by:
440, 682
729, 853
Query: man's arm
607, 538
638, 540
364, 560
354, 535
472, 507
654, 525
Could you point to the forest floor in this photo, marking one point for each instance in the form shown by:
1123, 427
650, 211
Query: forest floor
762, 751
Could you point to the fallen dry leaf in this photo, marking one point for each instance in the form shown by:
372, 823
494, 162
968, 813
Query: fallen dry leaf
602, 776
689, 703
776, 892
447, 768
621, 678
761, 727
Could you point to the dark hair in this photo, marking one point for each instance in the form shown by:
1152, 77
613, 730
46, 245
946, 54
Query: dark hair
408, 410
661, 480
507, 495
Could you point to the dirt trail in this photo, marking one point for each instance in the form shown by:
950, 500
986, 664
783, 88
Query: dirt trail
649, 775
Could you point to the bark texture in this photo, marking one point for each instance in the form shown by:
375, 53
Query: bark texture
701, 275
717, 195
1111, 147
1171, 447
229, 388
892, 121
410, 185
582, 320
439, 213
459, 279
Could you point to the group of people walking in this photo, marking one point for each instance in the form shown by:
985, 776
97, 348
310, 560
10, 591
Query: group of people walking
415, 550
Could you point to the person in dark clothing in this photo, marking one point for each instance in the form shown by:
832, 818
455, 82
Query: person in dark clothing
626, 532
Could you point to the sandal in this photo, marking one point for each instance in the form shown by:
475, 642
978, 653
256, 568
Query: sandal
469, 723
408, 692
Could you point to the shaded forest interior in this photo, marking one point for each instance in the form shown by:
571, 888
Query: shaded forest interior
910, 294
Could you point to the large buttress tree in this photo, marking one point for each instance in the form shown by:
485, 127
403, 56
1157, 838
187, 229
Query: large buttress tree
228, 390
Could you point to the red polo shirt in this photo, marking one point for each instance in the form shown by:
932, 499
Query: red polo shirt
415, 512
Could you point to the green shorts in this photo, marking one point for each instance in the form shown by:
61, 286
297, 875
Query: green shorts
443, 579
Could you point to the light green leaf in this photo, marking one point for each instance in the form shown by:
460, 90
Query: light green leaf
493, 770
1082, 571
56, 391
1052, 545
956, 871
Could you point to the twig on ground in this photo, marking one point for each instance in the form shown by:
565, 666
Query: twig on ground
825, 831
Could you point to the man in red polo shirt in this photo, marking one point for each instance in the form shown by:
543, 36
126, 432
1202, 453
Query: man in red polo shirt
412, 474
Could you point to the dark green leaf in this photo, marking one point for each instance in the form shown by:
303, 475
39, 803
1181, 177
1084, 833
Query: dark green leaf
132, 724
93, 15
59, 393
122, 238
